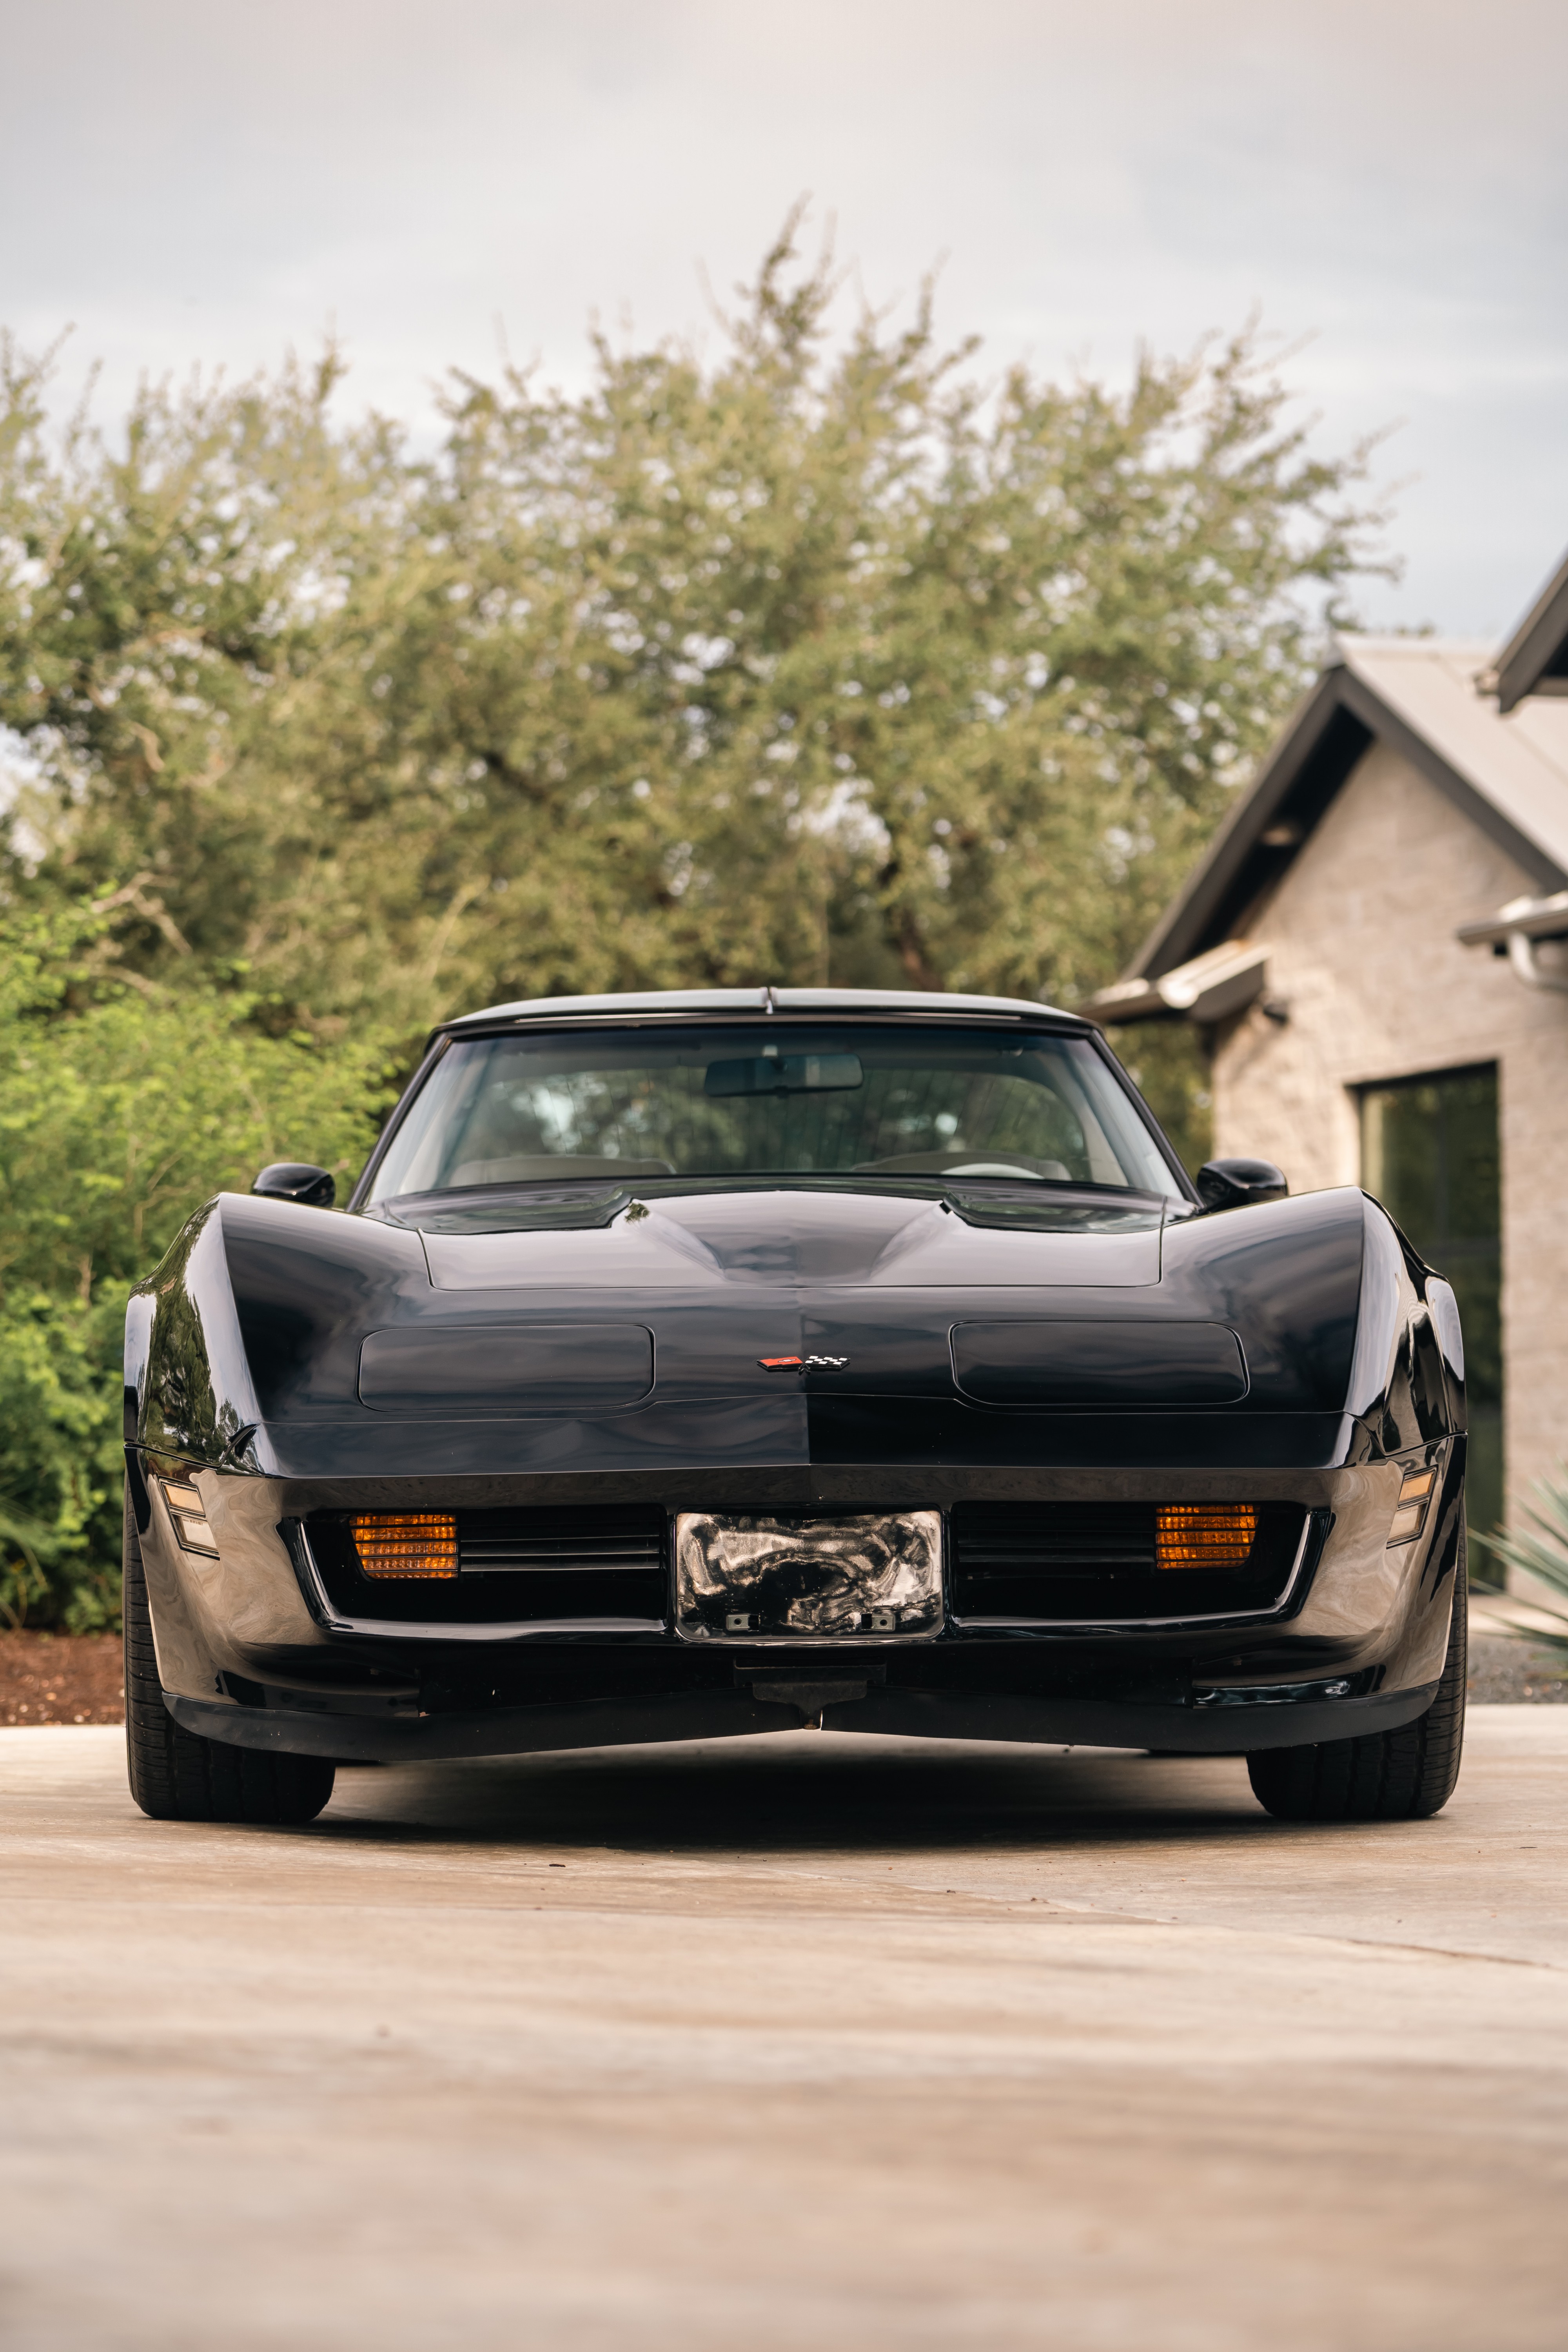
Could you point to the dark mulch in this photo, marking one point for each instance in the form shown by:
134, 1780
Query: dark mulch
1504, 1672
79, 1678
62, 1678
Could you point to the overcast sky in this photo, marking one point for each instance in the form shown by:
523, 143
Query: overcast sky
214, 180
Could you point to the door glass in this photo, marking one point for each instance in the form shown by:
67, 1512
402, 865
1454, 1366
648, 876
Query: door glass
1429, 1153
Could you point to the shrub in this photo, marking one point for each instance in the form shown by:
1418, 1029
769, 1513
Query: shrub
1538, 1548
121, 1109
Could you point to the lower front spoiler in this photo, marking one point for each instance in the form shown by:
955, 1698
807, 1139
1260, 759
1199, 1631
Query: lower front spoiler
843, 1706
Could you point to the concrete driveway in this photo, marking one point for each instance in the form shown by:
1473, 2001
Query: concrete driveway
798, 2041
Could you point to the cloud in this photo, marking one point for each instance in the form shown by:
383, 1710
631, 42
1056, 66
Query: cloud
197, 181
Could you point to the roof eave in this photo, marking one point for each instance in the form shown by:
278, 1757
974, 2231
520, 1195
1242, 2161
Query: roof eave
1331, 729
1540, 638
1179, 934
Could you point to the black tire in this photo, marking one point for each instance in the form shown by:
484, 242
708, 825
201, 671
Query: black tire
1389, 1776
177, 1776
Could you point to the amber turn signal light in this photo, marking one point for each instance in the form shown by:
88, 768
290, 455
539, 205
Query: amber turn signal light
187, 1517
407, 1543
1204, 1535
1415, 1489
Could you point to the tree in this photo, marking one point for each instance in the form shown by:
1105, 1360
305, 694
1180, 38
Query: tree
822, 660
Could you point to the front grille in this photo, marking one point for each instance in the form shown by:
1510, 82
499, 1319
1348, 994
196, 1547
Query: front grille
1098, 1562
584, 1543
1084, 1562
513, 1567
1018, 1539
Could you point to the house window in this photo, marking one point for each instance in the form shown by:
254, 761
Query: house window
1429, 1153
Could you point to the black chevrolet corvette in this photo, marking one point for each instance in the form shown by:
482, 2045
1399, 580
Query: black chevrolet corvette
697, 1364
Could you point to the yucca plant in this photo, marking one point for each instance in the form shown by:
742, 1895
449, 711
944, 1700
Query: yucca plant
1539, 1549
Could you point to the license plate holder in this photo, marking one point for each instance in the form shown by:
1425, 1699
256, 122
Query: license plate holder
853, 1576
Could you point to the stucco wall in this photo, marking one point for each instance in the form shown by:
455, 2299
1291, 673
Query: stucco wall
1361, 950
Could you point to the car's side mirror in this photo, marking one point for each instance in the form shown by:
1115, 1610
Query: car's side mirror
297, 1179
1237, 1183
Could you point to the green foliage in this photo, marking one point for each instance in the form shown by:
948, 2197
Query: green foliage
821, 659
60, 1460
120, 1109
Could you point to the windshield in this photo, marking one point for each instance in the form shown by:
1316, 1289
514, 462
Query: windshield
772, 1099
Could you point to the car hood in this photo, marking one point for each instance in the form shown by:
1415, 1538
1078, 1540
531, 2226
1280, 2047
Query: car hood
784, 1239
763, 1325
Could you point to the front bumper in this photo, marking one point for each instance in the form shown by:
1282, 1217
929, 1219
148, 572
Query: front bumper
252, 1651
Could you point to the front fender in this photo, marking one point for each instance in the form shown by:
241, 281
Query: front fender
188, 1387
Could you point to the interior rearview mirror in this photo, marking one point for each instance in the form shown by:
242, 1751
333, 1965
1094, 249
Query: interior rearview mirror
784, 1074
297, 1179
1239, 1183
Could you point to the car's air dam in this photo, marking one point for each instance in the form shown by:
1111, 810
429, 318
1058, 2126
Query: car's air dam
726, 1715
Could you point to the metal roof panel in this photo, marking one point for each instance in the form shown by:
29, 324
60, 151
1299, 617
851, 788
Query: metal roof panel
1518, 763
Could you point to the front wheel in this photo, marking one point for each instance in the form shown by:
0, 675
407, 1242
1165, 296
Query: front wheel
1389, 1776
177, 1776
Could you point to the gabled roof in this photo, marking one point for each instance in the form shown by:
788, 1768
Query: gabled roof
1420, 695
1535, 658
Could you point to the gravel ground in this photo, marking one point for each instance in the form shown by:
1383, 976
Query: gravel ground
62, 1678
1507, 1672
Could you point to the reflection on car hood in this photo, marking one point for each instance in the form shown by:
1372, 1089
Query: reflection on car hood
787, 1236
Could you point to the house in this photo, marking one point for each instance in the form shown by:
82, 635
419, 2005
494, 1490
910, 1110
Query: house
1376, 947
